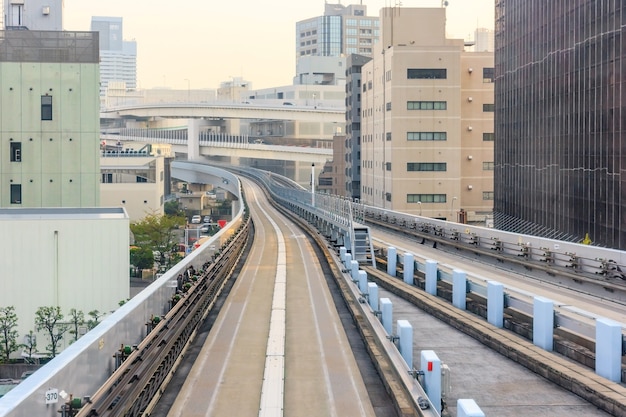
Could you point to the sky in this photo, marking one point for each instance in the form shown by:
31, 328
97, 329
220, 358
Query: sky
201, 43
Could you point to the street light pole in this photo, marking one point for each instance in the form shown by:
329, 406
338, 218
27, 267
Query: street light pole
420, 205
313, 184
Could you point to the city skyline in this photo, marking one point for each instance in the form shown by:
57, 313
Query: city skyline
217, 49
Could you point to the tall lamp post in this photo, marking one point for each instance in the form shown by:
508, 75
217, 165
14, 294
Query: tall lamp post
313, 184
420, 205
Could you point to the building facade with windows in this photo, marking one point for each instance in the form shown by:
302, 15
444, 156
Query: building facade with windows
49, 123
32, 15
426, 120
342, 30
560, 114
118, 58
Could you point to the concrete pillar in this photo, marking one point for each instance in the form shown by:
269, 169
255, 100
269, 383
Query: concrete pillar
354, 270
193, 139
372, 291
405, 346
609, 349
543, 323
459, 289
495, 303
386, 308
468, 408
431, 366
348, 261
409, 268
362, 280
392, 259
342, 253
431, 277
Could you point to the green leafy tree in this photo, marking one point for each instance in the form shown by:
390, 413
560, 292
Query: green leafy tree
156, 232
141, 257
50, 319
95, 318
30, 343
77, 319
171, 208
8, 332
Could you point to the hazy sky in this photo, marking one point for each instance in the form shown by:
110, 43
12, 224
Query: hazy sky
209, 41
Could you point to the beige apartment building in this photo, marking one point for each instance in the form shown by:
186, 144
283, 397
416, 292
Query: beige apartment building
427, 120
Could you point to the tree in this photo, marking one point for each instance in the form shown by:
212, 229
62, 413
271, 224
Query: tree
8, 332
95, 319
156, 232
30, 343
77, 319
141, 257
171, 208
50, 319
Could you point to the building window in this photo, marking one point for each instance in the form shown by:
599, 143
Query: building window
46, 107
426, 73
16, 193
425, 166
426, 198
388, 135
388, 106
107, 178
487, 195
426, 135
488, 75
488, 137
16, 151
388, 166
489, 107
388, 196
426, 105
488, 166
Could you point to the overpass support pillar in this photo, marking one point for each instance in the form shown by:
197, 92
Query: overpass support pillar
495, 303
409, 268
193, 139
609, 349
459, 289
431, 277
386, 308
543, 323
405, 345
392, 258
431, 366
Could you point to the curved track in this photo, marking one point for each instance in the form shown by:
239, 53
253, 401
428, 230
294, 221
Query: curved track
279, 321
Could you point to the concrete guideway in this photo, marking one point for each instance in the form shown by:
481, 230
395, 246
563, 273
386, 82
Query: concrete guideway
505, 395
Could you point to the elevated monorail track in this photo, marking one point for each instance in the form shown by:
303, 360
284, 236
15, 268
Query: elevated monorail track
138, 380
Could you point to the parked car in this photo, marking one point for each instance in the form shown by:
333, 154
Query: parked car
197, 219
207, 219
204, 228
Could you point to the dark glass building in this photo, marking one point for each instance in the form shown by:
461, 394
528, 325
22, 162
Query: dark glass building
560, 143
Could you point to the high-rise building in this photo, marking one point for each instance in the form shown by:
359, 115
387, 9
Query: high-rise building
118, 58
33, 14
49, 124
342, 30
324, 42
352, 146
484, 40
560, 134
426, 120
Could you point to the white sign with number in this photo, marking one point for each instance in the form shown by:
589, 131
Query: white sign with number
52, 396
